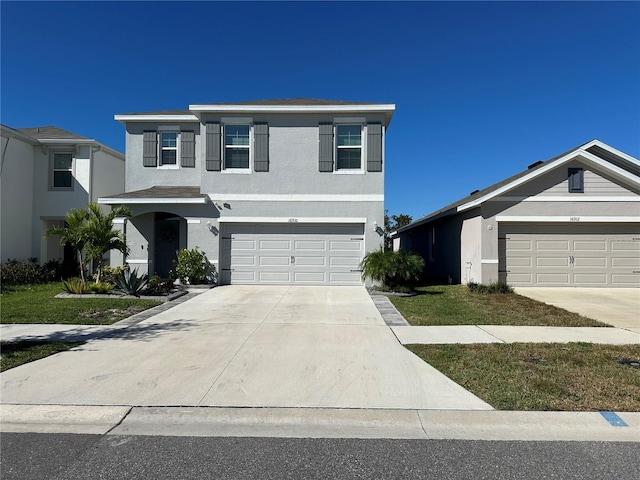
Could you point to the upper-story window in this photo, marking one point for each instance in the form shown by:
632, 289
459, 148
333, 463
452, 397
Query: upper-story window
236, 147
576, 180
349, 147
168, 148
62, 171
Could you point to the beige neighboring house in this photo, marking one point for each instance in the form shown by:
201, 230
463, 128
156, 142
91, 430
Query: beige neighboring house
45, 172
571, 221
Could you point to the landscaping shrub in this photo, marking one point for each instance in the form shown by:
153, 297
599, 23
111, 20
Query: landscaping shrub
130, 283
155, 286
494, 287
393, 269
192, 267
25, 273
100, 287
109, 274
76, 286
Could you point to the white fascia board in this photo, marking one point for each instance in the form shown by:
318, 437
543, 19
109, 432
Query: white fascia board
67, 141
615, 151
566, 219
9, 132
155, 118
291, 220
581, 154
144, 201
570, 199
258, 197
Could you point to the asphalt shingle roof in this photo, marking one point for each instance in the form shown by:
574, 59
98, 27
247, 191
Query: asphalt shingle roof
50, 132
163, 192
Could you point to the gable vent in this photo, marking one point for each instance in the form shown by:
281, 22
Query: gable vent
535, 164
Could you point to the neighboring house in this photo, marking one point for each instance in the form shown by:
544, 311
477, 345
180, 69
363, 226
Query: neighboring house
274, 192
573, 220
45, 172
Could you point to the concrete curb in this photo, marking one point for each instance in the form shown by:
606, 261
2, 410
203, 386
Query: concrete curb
322, 423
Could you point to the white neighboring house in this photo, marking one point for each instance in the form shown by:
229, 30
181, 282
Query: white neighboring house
287, 191
571, 221
45, 172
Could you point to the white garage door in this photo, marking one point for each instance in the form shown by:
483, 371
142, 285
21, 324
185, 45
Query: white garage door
292, 254
579, 255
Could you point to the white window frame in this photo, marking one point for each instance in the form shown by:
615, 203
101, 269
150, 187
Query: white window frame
168, 129
52, 170
230, 121
361, 122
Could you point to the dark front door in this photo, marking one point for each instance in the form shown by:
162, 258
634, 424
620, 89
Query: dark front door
167, 244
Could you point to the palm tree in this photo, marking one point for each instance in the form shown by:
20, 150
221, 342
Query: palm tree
74, 233
91, 232
102, 237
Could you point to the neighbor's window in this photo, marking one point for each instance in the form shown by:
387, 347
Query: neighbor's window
62, 170
576, 180
349, 147
236, 146
168, 148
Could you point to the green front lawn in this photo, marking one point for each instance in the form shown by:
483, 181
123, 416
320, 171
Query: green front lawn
538, 376
13, 354
37, 304
456, 305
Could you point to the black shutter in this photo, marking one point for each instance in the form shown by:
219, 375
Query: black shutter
187, 149
261, 150
150, 149
576, 180
213, 158
325, 161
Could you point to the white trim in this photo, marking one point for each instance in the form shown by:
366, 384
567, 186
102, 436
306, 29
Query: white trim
291, 220
119, 220
301, 197
493, 261
193, 220
572, 198
615, 151
142, 201
566, 219
383, 108
155, 118
67, 141
137, 262
583, 156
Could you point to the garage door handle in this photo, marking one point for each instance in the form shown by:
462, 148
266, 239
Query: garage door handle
293, 259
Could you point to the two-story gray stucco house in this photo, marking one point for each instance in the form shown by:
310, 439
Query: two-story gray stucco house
274, 192
47, 171
573, 220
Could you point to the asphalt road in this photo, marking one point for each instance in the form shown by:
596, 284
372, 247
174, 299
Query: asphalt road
68, 456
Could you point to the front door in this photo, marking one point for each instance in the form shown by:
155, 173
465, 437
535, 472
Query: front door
167, 244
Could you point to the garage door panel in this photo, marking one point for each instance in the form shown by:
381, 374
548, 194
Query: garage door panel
347, 278
275, 245
552, 261
273, 277
345, 245
244, 244
243, 260
552, 245
309, 277
319, 245
570, 254
315, 261
268, 260
245, 276
352, 262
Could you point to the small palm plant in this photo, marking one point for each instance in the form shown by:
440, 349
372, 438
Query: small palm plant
393, 269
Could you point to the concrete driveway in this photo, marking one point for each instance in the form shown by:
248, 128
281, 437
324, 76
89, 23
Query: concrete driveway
619, 307
275, 346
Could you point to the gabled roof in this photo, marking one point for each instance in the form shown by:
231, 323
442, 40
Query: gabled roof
596, 153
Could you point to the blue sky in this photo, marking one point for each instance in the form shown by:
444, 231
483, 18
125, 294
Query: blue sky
481, 89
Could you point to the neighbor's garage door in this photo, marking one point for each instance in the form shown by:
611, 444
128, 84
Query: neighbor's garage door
292, 254
578, 255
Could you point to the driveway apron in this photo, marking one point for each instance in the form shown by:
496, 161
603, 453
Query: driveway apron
246, 346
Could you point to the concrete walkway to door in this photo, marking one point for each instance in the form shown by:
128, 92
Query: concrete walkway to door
253, 346
619, 307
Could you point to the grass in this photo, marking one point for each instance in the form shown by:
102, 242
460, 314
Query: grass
534, 376
13, 354
37, 304
456, 305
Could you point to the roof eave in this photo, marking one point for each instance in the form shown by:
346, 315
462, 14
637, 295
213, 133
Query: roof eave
154, 118
145, 201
